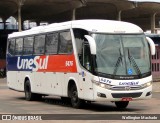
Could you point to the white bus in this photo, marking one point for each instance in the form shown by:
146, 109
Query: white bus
82, 60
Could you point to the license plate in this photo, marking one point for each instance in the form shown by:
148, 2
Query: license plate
126, 98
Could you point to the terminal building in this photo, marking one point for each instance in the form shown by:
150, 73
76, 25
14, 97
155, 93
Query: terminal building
18, 15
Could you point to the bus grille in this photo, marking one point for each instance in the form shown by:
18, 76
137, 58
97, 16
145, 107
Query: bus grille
125, 88
121, 95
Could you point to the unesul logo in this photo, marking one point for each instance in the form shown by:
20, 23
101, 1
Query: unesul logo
32, 64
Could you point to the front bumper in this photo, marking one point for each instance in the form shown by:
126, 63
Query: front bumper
102, 94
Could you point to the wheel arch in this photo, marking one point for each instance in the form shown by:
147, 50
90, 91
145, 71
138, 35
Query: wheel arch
72, 82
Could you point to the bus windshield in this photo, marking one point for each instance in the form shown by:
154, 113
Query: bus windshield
121, 55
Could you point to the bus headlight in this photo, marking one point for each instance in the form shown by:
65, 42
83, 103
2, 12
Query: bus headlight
102, 85
146, 85
106, 86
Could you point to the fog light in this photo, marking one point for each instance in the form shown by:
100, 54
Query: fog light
149, 93
101, 95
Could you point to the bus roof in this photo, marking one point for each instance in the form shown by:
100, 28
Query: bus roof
96, 26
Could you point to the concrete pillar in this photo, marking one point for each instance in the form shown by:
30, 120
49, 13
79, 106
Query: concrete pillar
19, 18
119, 15
74, 14
20, 4
153, 23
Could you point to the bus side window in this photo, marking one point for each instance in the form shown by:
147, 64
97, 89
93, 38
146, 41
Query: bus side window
11, 46
19, 46
39, 44
51, 43
28, 46
65, 46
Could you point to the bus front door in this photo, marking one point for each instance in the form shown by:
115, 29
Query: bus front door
86, 75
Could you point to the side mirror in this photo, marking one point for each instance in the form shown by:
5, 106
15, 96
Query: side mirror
152, 46
92, 44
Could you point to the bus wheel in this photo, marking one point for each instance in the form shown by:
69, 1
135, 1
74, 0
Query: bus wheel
75, 101
122, 104
27, 89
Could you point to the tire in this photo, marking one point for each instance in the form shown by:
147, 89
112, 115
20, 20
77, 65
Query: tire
75, 101
29, 96
122, 104
27, 89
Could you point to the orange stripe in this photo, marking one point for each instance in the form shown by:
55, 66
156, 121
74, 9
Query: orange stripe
60, 63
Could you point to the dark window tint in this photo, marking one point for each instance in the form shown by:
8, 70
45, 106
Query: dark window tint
11, 46
28, 45
65, 43
39, 44
52, 43
80, 45
19, 46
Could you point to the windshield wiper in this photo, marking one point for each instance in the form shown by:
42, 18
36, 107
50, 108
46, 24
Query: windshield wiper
118, 63
135, 66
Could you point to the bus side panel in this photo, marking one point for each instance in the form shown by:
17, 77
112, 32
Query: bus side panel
12, 80
51, 85
48, 83
37, 83
59, 86
20, 80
